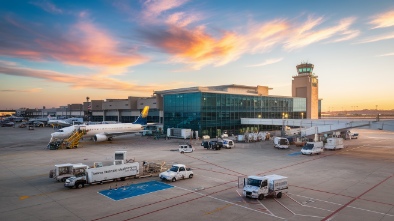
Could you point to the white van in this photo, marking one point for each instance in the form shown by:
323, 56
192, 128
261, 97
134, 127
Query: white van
334, 143
228, 144
281, 142
312, 148
186, 148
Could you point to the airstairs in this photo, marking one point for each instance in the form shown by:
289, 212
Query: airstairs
69, 143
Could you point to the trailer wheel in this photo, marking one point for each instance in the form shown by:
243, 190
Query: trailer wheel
261, 197
173, 179
279, 195
79, 185
191, 176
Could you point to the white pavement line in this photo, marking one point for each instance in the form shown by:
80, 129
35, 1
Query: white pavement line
386, 214
316, 199
308, 205
284, 206
341, 205
232, 203
265, 207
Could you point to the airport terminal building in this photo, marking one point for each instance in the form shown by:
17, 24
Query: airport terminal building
213, 110
210, 110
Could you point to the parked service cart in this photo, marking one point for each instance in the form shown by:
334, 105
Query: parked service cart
259, 187
312, 148
176, 172
228, 144
334, 143
281, 142
64, 171
186, 148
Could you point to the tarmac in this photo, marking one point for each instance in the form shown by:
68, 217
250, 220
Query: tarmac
354, 183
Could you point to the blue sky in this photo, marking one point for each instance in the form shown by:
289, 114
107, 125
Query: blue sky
54, 53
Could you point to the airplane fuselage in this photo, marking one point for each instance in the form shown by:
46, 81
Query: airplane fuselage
99, 129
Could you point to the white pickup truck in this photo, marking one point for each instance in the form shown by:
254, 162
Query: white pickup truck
176, 172
262, 186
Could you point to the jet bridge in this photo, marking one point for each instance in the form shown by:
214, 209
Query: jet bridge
310, 127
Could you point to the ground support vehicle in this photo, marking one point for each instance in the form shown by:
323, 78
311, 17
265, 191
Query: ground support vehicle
101, 174
205, 144
312, 148
334, 143
67, 170
186, 148
281, 143
179, 133
120, 170
215, 145
176, 172
259, 187
228, 144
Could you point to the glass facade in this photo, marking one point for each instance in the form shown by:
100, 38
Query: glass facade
213, 113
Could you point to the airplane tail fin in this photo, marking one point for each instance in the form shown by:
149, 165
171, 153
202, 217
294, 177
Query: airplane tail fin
142, 118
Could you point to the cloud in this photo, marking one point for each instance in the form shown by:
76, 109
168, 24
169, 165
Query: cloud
267, 62
306, 36
384, 55
83, 43
152, 9
383, 20
77, 81
47, 6
377, 38
32, 90
197, 47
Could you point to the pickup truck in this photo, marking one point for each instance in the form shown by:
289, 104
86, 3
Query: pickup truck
176, 172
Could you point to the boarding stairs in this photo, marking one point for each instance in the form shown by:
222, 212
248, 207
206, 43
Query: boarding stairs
69, 143
73, 141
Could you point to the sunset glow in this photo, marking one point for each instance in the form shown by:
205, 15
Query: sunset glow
54, 53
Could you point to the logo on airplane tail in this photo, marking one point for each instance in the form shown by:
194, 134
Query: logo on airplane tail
144, 112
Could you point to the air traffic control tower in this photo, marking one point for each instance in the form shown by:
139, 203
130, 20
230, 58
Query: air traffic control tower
306, 85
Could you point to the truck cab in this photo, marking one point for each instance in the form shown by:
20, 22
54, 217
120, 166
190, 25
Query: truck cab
261, 186
176, 172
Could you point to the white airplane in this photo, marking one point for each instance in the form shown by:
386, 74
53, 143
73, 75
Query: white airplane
65, 122
103, 132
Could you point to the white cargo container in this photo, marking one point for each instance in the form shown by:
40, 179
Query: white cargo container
258, 187
66, 170
334, 143
179, 133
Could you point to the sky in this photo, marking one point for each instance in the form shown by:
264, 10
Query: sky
54, 53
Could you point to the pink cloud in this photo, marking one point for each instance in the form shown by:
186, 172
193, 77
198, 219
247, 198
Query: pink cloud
152, 9
47, 6
383, 20
82, 44
76, 81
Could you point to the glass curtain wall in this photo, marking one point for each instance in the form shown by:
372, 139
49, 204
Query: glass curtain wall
214, 114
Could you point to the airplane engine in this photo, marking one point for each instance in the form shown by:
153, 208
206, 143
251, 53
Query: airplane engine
100, 137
